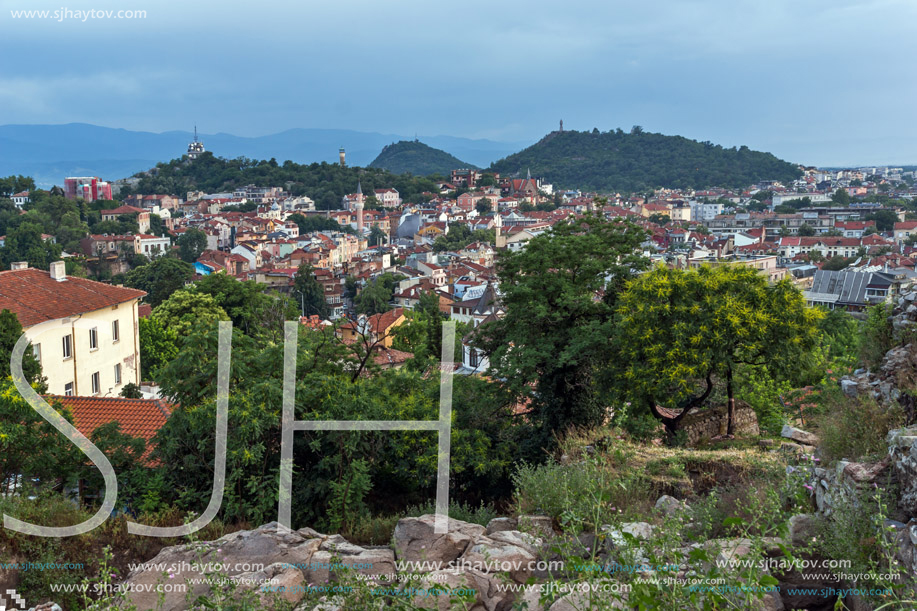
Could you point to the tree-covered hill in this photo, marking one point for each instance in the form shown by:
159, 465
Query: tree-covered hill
325, 183
416, 158
620, 161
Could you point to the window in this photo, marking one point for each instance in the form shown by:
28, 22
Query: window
94, 338
115, 331
95, 383
118, 373
36, 350
68, 346
68, 389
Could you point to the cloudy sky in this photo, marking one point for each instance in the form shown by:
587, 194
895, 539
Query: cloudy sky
826, 82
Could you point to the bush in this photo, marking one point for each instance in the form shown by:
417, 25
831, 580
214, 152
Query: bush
855, 429
878, 336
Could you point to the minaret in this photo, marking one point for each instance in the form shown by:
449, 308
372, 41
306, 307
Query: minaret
358, 206
499, 240
341, 157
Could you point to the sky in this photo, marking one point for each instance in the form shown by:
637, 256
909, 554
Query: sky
820, 82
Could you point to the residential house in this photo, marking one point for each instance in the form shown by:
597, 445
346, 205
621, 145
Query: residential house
84, 333
143, 216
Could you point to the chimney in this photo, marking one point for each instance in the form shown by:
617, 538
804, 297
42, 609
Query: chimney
58, 271
19, 265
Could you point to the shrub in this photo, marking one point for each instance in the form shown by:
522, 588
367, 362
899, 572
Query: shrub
877, 337
855, 428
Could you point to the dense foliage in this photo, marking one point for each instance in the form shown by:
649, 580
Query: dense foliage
556, 331
416, 158
325, 183
635, 161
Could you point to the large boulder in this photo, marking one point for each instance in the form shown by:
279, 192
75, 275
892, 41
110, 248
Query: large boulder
799, 435
447, 589
416, 541
251, 558
511, 556
803, 528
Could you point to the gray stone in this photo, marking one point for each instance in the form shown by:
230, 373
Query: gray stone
540, 526
500, 525
415, 539
799, 435
849, 387
669, 505
803, 527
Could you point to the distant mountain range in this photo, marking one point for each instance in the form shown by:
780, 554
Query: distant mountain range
49, 153
416, 158
635, 161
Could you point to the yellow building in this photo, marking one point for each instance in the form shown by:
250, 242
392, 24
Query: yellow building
85, 334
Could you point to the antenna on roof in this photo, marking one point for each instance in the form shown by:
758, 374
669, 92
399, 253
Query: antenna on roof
195, 132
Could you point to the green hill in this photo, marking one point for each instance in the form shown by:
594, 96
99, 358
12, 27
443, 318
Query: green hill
416, 158
636, 161
325, 183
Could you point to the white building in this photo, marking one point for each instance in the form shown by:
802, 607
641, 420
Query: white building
85, 334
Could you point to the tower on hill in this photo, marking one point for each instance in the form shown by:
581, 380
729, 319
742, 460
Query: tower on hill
196, 147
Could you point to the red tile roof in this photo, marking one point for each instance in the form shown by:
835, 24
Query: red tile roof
35, 297
138, 417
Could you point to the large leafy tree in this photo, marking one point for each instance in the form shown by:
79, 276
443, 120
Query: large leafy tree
30, 446
160, 278
25, 243
559, 295
10, 332
186, 309
243, 300
680, 331
158, 346
191, 244
309, 294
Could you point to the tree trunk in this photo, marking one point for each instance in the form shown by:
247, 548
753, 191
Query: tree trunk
730, 404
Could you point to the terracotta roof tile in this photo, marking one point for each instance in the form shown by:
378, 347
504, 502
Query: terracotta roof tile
35, 297
138, 417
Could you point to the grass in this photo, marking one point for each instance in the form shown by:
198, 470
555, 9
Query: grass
626, 478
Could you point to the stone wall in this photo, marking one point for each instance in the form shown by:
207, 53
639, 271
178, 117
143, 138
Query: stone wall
708, 423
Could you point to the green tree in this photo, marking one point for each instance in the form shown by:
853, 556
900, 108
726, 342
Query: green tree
186, 309
377, 237
483, 206
679, 329
556, 330
885, 219
10, 332
841, 197
308, 294
131, 391
805, 230
25, 243
191, 244
160, 278
158, 346
243, 300
22, 432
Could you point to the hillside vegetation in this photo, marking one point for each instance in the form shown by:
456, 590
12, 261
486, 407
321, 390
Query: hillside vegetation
413, 157
326, 183
635, 161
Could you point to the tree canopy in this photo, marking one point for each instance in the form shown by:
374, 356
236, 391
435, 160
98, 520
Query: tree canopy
678, 330
559, 295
